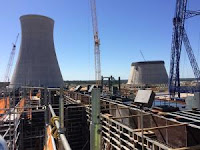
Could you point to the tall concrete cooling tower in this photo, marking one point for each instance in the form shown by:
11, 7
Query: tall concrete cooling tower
148, 73
37, 64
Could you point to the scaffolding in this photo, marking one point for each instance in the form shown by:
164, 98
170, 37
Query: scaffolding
21, 122
25, 118
31, 118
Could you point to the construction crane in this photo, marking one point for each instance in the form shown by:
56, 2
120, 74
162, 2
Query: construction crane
96, 43
179, 36
10, 61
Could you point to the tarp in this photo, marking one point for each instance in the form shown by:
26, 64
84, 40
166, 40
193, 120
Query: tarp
4, 103
50, 143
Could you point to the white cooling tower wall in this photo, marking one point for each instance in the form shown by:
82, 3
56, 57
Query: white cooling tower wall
148, 72
37, 64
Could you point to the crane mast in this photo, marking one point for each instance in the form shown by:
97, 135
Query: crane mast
96, 42
10, 61
179, 36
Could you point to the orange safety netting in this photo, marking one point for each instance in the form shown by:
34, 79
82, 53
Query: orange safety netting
49, 144
21, 105
4, 103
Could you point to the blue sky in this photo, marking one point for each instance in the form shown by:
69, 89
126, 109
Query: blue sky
125, 28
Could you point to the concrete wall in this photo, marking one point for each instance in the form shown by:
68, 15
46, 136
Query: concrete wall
151, 72
37, 64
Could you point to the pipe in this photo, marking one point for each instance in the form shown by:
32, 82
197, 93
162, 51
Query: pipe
61, 110
61, 114
62, 136
45, 115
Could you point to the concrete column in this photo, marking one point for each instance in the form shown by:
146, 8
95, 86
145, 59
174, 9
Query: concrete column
95, 127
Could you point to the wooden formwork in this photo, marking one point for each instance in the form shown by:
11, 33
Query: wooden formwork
121, 128
32, 130
75, 124
119, 136
77, 131
164, 131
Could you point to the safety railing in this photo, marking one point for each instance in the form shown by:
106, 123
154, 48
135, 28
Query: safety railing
56, 131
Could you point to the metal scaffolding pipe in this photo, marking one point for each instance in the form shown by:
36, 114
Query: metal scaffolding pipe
61, 109
62, 136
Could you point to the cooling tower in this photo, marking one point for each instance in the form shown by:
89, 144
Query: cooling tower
37, 64
148, 73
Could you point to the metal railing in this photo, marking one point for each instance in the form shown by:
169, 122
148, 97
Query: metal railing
63, 139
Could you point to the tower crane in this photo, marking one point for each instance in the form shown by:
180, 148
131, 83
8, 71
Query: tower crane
179, 36
96, 42
10, 61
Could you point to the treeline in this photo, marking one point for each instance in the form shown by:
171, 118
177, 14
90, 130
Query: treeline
77, 82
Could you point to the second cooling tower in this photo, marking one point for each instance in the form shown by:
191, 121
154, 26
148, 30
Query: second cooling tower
37, 64
148, 73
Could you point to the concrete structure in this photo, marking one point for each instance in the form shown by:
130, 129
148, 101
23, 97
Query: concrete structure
193, 102
121, 126
145, 97
148, 73
37, 64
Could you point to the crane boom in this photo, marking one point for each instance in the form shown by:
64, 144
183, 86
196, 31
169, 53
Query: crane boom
96, 42
191, 56
10, 61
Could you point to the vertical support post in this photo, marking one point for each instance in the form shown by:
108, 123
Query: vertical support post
61, 115
61, 110
49, 95
46, 116
9, 111
95, 135
13, 103
46, 105
101, 83
109, 84
50, 102
27, 99
142, 125
119, 85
